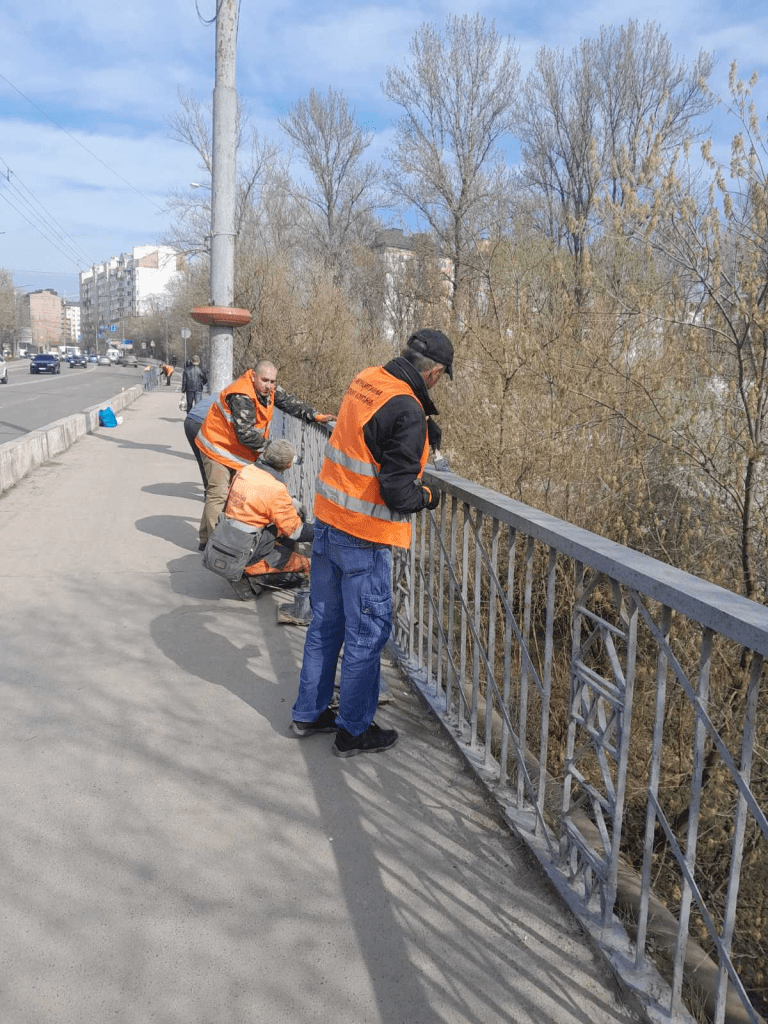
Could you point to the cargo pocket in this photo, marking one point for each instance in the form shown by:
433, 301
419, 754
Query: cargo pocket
375, 621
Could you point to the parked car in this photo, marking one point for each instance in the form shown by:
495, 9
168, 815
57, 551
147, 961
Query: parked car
45, 362
78, 360
103, 361
3, 371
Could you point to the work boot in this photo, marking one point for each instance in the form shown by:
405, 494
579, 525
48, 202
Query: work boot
284, 580
372, 741
245, 590
325, 723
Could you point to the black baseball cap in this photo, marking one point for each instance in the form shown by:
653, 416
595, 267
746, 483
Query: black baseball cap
434, 345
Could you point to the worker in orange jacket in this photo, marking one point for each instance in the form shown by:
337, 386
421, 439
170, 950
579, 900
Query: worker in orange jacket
260, 498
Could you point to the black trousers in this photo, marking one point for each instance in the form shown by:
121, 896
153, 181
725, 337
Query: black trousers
191, 429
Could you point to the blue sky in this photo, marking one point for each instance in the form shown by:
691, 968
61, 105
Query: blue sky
108, 76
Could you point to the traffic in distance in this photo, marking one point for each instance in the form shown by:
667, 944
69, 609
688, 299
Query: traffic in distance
36, 392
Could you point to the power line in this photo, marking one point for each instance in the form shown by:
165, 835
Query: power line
48, 220
102, 162
67, 255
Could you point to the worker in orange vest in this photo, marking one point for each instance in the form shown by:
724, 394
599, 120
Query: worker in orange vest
260, 498
369, 485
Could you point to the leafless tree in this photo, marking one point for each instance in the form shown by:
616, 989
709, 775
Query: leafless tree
342, 193
192, 206
457, 97
595, 121
8, 312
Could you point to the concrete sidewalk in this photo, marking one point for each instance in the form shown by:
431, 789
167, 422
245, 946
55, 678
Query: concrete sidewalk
171, 853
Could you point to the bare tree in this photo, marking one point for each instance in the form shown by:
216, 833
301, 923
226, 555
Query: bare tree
342, 194
595, 121
8, 311
457, 96
192, 207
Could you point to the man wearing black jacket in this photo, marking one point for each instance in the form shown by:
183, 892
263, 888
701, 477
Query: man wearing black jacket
368, 486
193, 380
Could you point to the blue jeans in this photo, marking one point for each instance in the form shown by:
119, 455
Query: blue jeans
351, 597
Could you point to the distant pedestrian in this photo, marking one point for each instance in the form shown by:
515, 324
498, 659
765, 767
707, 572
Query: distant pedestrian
168, 371
193, 380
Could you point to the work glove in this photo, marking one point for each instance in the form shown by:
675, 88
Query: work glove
323, 417
434, 433
300, 509
432, 496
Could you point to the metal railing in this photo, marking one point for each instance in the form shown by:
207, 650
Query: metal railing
616, 708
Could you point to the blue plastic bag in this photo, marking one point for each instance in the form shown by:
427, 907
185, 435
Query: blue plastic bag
107, 418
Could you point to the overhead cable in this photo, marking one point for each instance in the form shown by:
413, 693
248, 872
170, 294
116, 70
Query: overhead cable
82, 146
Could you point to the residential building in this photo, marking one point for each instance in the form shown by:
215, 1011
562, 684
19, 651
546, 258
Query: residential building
409, 260
41, 315
71, 325
125, 286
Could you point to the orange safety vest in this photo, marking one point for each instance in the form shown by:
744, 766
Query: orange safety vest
347, 490
217, 438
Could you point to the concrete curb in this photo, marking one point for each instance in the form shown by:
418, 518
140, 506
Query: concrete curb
20, 457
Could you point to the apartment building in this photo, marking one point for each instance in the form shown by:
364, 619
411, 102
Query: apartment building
41, 318
125, 286
71, 323
409, 261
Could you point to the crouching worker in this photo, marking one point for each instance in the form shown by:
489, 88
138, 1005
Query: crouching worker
259, 498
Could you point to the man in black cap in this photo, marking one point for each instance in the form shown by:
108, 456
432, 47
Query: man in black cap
369, 484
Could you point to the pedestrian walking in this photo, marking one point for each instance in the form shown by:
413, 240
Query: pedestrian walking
193, 380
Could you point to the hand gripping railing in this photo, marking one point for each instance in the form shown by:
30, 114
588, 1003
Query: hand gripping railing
616, 707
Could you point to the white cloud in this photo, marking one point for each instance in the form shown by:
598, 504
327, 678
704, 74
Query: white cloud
109, 73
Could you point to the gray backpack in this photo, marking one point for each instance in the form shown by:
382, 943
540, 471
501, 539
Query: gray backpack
233, 545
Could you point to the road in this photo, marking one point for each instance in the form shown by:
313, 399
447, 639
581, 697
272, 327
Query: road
31, 400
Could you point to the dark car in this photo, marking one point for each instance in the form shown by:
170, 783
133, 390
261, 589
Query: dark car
44, 362
75, 360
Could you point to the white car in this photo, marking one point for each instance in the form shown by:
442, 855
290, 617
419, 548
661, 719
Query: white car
3, 371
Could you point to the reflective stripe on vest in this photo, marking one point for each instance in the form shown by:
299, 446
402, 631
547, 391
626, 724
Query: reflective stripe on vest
363, 468
347, 490
367, 508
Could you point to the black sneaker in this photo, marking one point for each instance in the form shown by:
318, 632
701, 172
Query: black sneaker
246, 590
325, 723
372, 741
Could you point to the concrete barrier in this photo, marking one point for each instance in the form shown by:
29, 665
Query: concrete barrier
23, 455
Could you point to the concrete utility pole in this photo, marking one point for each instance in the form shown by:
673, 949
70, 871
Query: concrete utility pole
223, 186
220, 316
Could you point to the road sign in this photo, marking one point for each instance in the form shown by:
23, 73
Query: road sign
186, 333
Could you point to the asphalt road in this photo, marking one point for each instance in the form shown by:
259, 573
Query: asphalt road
32, 400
